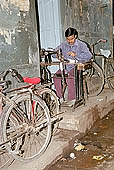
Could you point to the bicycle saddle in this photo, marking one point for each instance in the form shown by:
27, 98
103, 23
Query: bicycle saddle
33, 80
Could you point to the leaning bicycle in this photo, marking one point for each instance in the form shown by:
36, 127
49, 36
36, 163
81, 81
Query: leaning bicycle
25, 124
27, 119
95, 76
43, 90
108, 64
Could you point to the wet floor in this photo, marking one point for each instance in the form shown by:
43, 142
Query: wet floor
92, 150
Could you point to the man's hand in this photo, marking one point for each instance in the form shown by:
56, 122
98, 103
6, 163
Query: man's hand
72, 54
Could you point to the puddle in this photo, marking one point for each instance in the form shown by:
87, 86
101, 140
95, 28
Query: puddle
98, 148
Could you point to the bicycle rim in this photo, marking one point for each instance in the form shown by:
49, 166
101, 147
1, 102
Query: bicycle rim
110, 73
28, 137
94, 80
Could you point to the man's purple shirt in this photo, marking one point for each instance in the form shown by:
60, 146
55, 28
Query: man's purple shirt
80, 48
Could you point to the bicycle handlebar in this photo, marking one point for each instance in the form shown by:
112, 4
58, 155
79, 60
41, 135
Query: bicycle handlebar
103, 40
93, 45
14, 73
99, 41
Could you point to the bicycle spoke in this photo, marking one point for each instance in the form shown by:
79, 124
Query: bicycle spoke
49, 96
27, 127
5, 158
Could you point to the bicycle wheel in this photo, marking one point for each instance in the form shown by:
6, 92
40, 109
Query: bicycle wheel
51, 99
5, 158
110, 73
94, 80
26, 127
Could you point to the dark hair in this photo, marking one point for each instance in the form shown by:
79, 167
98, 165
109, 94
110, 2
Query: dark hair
71, 31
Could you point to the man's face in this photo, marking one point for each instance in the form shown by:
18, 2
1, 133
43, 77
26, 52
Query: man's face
71, 39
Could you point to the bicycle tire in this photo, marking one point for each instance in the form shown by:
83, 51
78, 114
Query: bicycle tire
94, 80
27, 140
52, 101
110, 73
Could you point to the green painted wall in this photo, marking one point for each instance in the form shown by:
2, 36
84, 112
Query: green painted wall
18, 37
92, 19
19, 46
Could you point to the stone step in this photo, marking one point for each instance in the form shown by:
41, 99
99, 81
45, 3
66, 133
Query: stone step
83, 117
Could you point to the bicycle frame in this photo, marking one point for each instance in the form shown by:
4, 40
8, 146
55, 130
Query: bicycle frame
31, 121
19, 114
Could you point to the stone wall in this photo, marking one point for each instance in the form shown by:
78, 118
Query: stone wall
18, 36
19, 46
92, 19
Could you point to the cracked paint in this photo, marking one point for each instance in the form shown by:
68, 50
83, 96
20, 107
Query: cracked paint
7, 35
23, 5
18, 40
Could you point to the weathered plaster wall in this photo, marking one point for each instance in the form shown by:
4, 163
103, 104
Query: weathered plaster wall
92, 19
18, 30
18, 36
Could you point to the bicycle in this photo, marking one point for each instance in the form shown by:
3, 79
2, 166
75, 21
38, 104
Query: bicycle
108, 66
17, 108
25, 123
95, 79
43, 90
